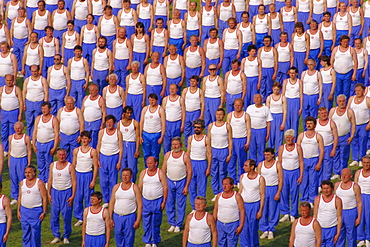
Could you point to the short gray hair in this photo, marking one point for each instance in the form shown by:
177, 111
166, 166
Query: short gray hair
289, 132
305, 204
201, 198
135, 62
342, 95
113, 74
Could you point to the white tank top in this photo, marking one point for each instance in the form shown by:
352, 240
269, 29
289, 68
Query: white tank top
101, 60
310, 146
366, 7
246, 33
135, 86
173, 109
292, 90
58, 79
208, 17
275, 22
276, 106
125, 200
283, 53
303, 6
77, 69
20, 29
152, 123
198, 149
97, 8
139, 45
113, 100
173, 69
31, 197
251, 188
192, 22
213, 50
13, 10
326, 132
181, 4
128, 132
331, 3
343, 123
89, 36
84, 161
199, 230
299, 43
327, 213
270, 174
310, 83
49, 48
342, 22
9, 101
234, 83
360, 59
193, 58
45, 130
35, 90
159, 38
6, 65
251, 67
238, 125
81, 10
288, 16
261, 25
92, 110
41, 21
19, 147
327, 32
361, 111
318, 7
116, 4
231, 40
176, 30
192, 100
356, 18
219, 136
240, 5
95, 223
109, 143
304, 235
152, 186
364, 183
154, 76
127, 19
69, 123
60, 20
326, 76
367, 42
348, 196
314, 39
176, 168
2, 34
212, 88
61, 178
108, 27
33, 56
71, 40
228, 210
161, 8
259, 116
267, 58
290, 159
225, 12
2, 210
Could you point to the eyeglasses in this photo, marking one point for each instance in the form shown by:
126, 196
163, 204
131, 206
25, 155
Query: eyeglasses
56, 59
211, 69
197, 127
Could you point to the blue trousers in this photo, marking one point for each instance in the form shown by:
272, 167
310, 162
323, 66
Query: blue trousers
152, 220
198, 245
56, 98
87, 51
359, 142
310, 181
339, 33
289, 28
77, 91
310, 107
48, 62
2, 233
259, 39
31, 226
363, 230
211, 105
100, 78
251, 90
222, 25
218, 168
69, 142
327, 47
135, 101
276, 135
44, 159
121, 71
266, 82
124, 232
18, 50
108, 174
314, 53
29, 12
59, 35
40, 33
359, 79
176, 81
189, 72
275, 34
299, 62
110, 40
156, 89
178, 43
188, 125
289, 193
33, 109
150, 145
326, 88
229, 55
83, 193
164, 17
92, 241
68, 53
258, 144
198, 183
271, 210
189, 33
282, 72
172, 130
253, 10
292, 117
327, 164
238, 157
355, 33
16, 171
343, 84
176, 202
8, 119
60, 206
342, 154
328, 236
79, 24
208, 63
117, 112
226, 235
205, 33
244, 52
230, 98
93, 128
128, 159
348, 230
249, 234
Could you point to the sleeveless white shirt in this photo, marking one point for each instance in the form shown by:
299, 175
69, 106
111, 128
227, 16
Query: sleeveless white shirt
49, 47
270, 174
122, 51
283, 53
348, 196
35, 90
125, 201
228, 210
193, 58
95, 223
234, 83
212, 89
92, 111
364, 183
45, 130
361, 111
6, 65
192, 100
20, 29
198, 149
310, 83
113, 100
299, 44
19, 147
326, 76
128, 132
290, 159
58, 79
154, 76
251, 67
77, 69
176, 168
69, 123
152, 186
199, 230
31, 197
135, 86
238, 125
33, 56
89, 36
2, 210
60, 20
251, 188
173, 109
276, 106
61, 178
327, 32
9, 101
213, 50
231, 39
109, 143
208, 17
310, 146
327, 213
84, 161
173, 69
326, 132
152, 123
304, 235
343, 123
219, 136
267, 58
101, 60
292, 90
108, 27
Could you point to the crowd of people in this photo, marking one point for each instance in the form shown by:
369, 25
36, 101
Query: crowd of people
152, 77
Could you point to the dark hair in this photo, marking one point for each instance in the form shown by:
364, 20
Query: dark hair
213, 29
236, 61
49, 27
327, 182
195, 77
252, 162
252, 47
110, 117
46, 103
231, 180
199, 122
78, 47
139, 25
325, 58
267, 37
310, 118
221, 109
71, 22
245, 13
31, 167
326, 13
360, 85
127, 169
293, 68
107, 7
97, 194
41, 1
85, 133
299, 25
269, 150
343, 37
153, 96
127, 108
159, 19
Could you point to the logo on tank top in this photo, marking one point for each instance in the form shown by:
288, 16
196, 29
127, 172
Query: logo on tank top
340, 18
126, 129
312, 37
261, 21
59, 174
174, 25
28, 192
208, 14
151, 116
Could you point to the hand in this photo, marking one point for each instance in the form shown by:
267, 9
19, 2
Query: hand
92, 185
258, 86
163, 205
273, 77
118, 166
128, 67
238, 230
246, 147
84, 86
237, 55
317, 167
305, 61
136, 224
363, 74
299, 112
353, 78
336, 238
318, 101
185, 191
99, 165
367, 127
24, 107
111, 223
5, 238
208, 172
349, 140
201, 75
182, 129
164, 54
299, 180
52, 151
183, 46
23, 72
282, 127
35, 148
83, 244
332, 153
18, 215
160, 140
70, 201
137, 154
357, 222
42, 216
330, 97
219, 66
141, 139
267, 137
78, 140
318, 56
277, 197
162, 93
145, 61
228, 158
20, 118
259, 215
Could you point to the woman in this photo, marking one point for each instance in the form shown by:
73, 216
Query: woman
301, 47
328, 82
89, 38
141, 43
